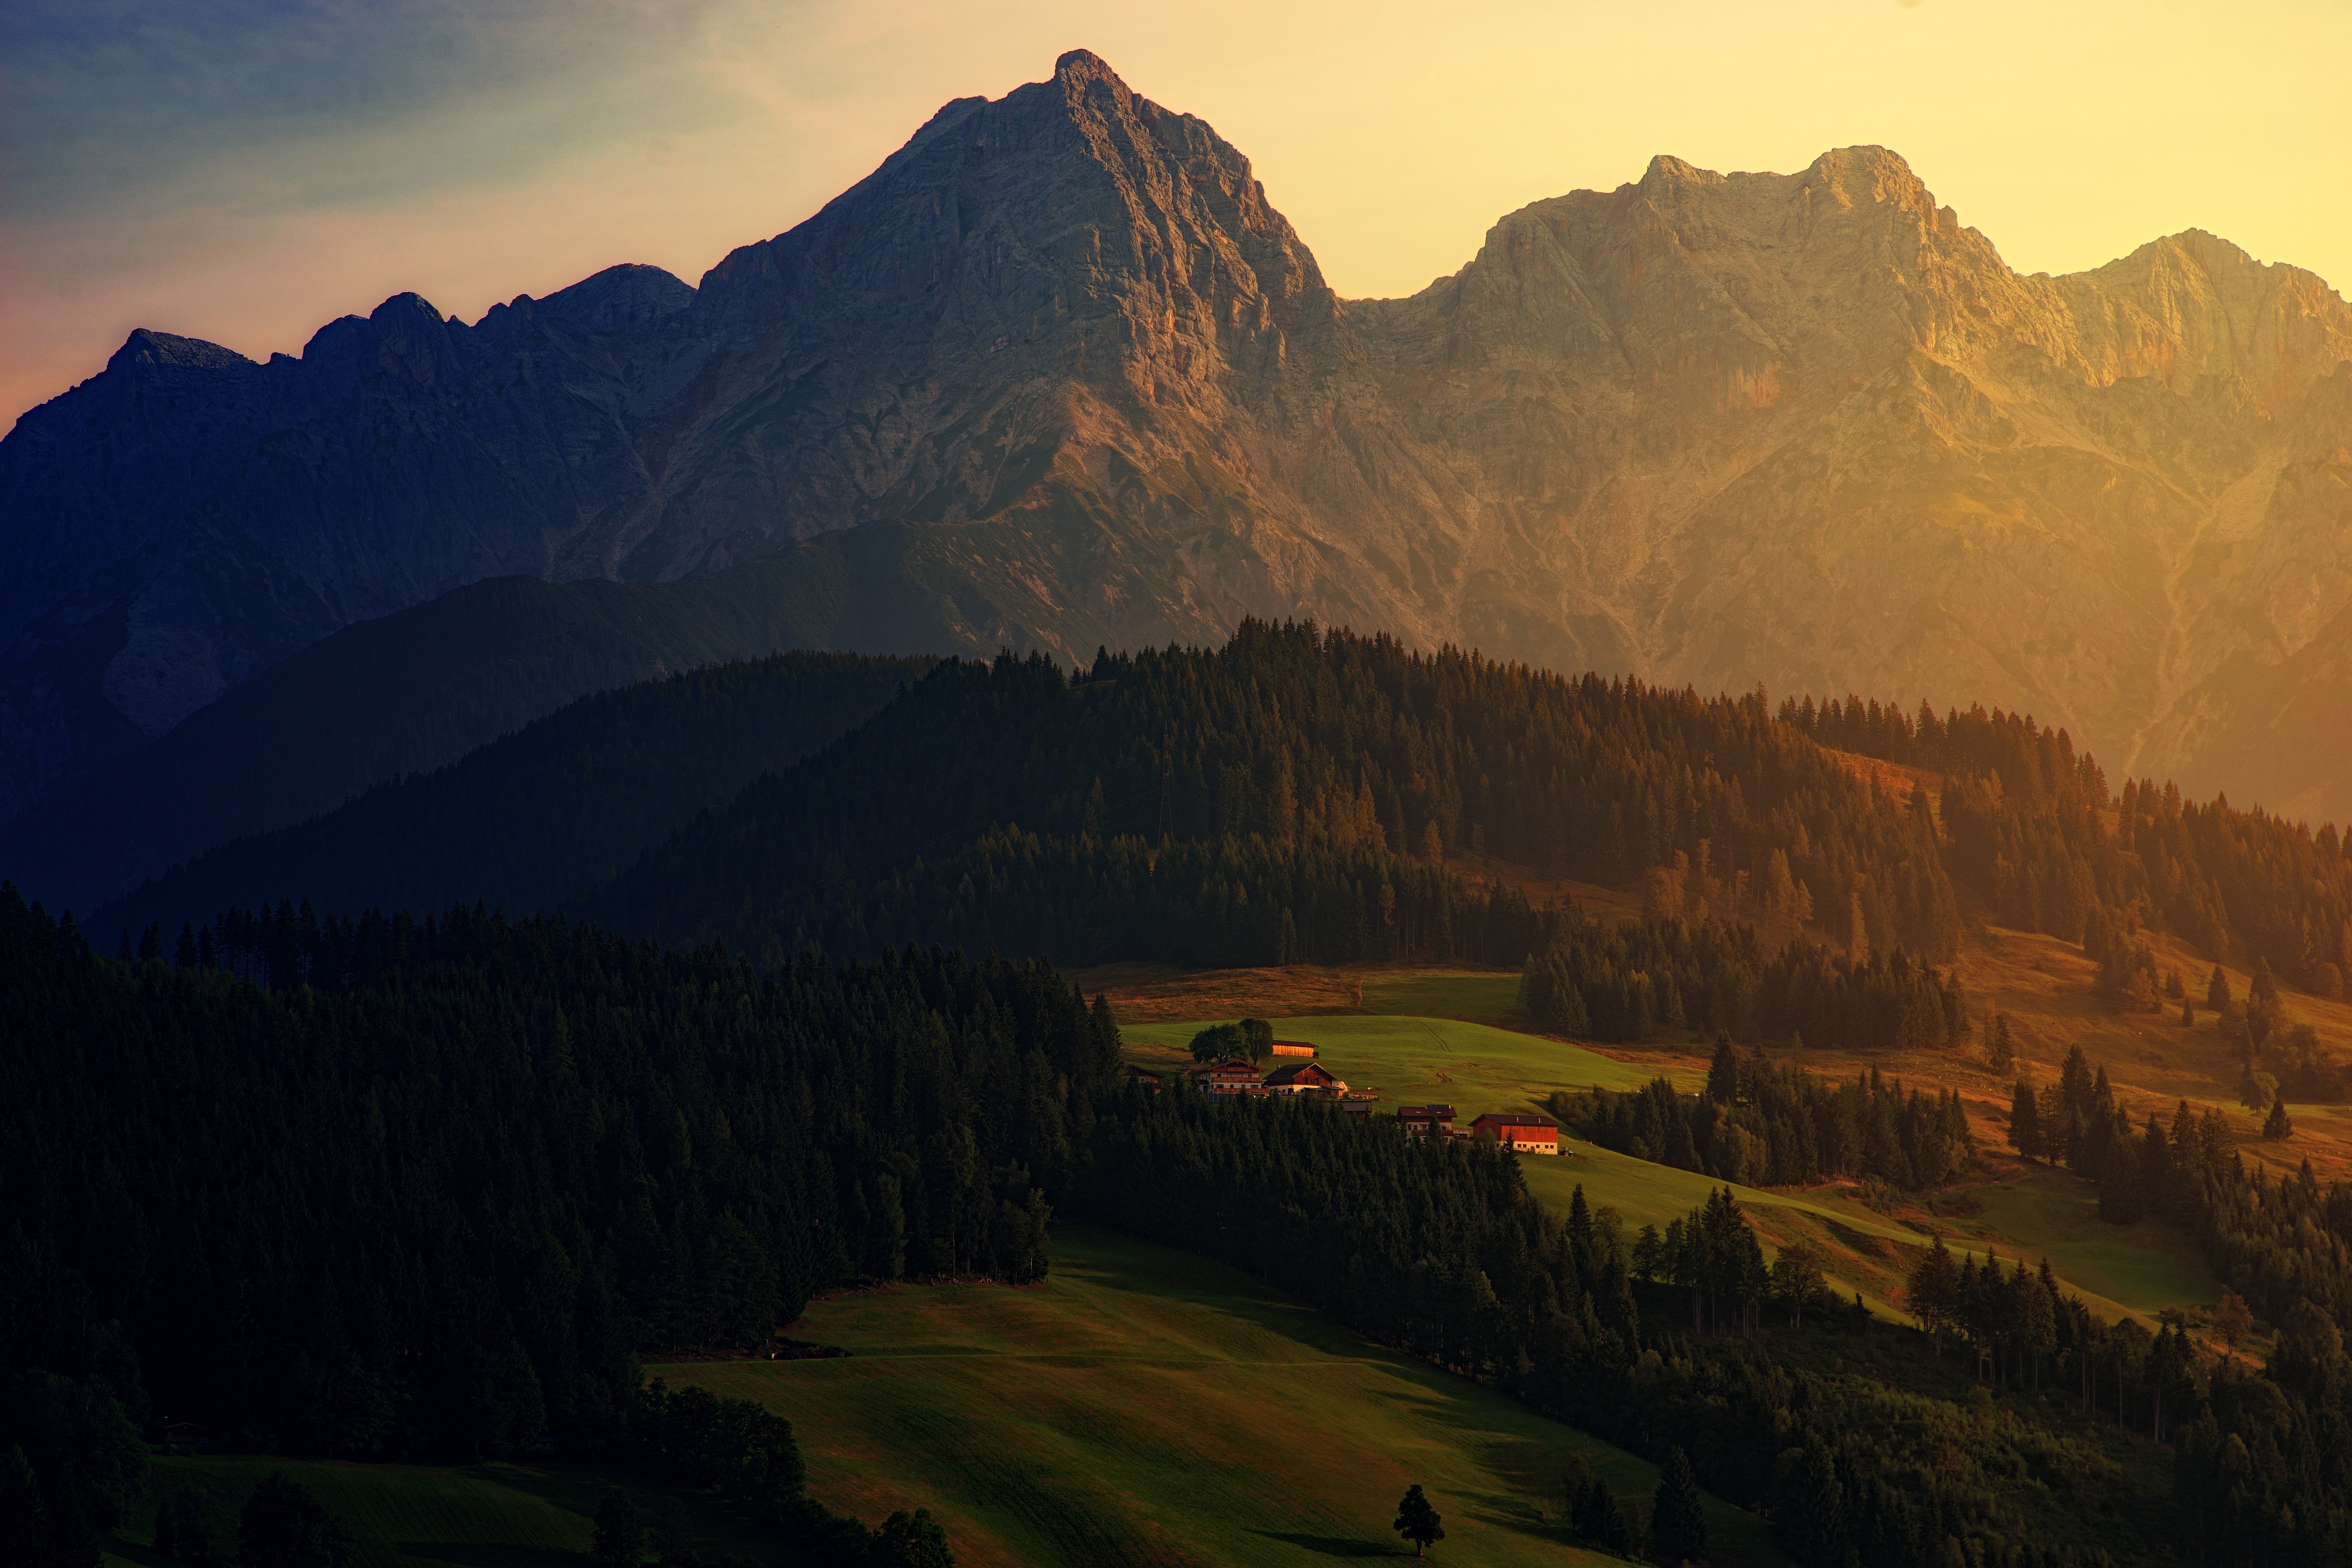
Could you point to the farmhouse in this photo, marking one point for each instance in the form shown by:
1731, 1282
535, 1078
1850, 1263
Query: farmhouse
1227, 1077
1421, 1120
1521, 1129
1293, 1048
1144, 1076
1303, 1077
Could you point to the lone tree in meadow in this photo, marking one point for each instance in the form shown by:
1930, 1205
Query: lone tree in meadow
1598, 1519
1220, 1043
2025, 1122
620, 1534
2279, 1127
1417, 1521
1258, 1039
1999, 1051
1677, 1525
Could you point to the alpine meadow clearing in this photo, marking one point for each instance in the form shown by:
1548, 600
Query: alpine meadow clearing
1143, 1405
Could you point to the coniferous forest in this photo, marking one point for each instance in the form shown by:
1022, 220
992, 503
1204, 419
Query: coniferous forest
430, 1183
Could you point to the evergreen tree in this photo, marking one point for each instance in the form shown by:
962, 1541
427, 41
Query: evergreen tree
620, 1534
2278, 1127
2217, 990
912, 1540
181, 1530
1417, 1521
673, 1536
2025, 1134
1600, 1520
284, 1525
1999, 1051
1808, 1517
27, 1533
1723, 1072
1677, 1518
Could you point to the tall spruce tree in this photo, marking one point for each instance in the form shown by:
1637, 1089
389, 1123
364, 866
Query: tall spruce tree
1677, 1515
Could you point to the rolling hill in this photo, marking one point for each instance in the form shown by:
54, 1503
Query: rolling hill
1144, 1406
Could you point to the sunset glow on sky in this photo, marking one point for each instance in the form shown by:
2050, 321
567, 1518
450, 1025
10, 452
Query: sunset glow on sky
246, 171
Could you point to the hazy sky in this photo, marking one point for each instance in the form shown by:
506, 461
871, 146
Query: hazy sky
246, 170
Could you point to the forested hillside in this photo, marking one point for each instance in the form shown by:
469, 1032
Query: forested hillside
432, 1191
546, 814
1315, 763
2033, 830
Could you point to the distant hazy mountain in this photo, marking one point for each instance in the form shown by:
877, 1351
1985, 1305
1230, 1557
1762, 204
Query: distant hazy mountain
416, 690
554, 810
1799, 430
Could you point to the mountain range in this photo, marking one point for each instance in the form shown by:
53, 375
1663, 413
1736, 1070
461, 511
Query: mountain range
1803, 430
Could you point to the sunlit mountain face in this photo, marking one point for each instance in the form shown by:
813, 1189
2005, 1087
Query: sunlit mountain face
1804, 430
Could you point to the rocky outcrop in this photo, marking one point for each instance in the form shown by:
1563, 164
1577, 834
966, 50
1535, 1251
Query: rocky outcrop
1802, 429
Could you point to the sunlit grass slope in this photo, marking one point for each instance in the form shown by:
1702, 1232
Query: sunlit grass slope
1472, 1067
2139, 1269
426, 1516
1143, 1405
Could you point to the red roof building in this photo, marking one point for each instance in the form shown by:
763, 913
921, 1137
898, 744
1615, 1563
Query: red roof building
1521, 1129
1303, 1077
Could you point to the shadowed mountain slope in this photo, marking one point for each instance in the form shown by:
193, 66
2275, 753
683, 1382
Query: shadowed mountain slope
555, 809
416, 690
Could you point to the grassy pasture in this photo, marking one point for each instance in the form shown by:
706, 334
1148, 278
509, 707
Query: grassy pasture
1144, 1406
1472, 1067
2134, 1270
429, 1516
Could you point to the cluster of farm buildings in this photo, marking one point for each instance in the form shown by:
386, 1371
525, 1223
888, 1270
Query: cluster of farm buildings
1523, 1131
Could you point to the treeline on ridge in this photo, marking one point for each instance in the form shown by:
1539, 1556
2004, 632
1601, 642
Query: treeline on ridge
1638, 981
2029, 823
1324, 747
1761, 1123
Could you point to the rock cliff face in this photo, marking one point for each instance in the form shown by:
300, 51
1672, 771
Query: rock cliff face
1801, 429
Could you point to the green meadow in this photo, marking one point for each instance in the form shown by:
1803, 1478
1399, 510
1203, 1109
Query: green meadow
1472, 1067
1482, 993
1144, 1406
2136, 1270
428, 1516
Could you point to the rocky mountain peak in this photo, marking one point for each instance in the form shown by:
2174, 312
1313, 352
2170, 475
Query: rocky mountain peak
1088, 386
147, 347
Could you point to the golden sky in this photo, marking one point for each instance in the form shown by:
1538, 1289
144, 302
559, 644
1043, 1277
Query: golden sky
246, 170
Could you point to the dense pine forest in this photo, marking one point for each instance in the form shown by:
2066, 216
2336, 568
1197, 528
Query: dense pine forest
1664, 978
431, 1190
1313, 759
1761, 1123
